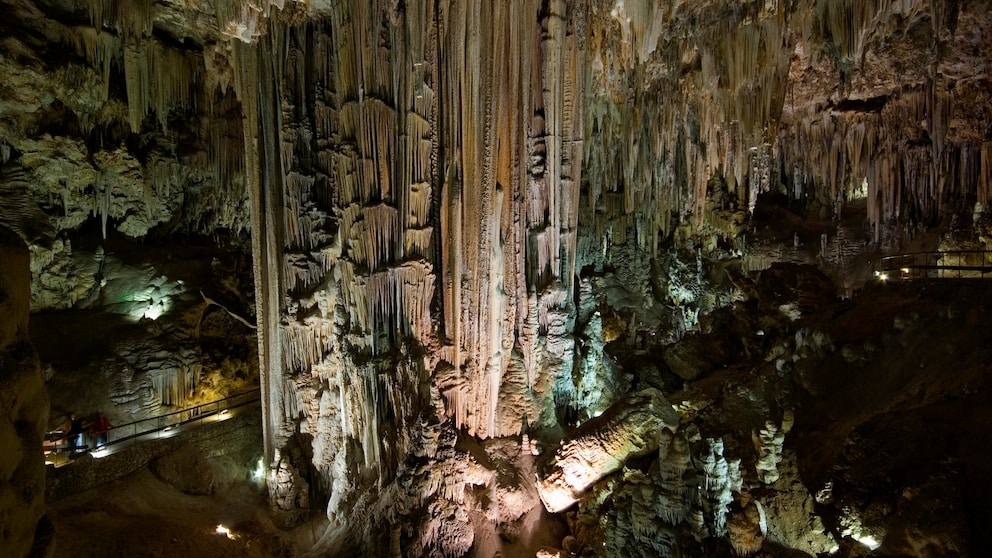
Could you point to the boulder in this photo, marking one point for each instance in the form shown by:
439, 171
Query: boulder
631, 427
186, 469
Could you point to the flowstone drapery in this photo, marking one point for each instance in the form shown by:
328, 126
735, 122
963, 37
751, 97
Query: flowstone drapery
414, 182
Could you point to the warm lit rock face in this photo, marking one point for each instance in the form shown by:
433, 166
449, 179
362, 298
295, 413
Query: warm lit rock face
23, 410
416, 216
602, 445
477, 219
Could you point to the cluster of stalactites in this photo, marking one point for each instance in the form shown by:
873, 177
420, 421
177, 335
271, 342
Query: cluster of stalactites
722, 89
349, 215
381, 162
101, 49
245, 20
175, 377
160, 82
848, 24
510, 196
651, 160
131, 18
837, 157
898, 156
159, 79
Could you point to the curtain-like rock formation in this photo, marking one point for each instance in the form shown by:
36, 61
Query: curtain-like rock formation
480, 217
415, 215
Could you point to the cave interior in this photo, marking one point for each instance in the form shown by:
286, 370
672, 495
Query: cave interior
550, 278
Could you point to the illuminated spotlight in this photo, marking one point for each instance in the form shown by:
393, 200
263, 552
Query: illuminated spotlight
154, 311
883, 276
221, 530
877, 273
100, 452
868, 541
258, 474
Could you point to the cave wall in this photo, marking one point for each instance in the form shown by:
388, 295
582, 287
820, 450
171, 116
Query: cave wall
121, 165
111, 121
476, 214
23, 411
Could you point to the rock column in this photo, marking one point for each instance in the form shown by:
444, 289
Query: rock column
23, 408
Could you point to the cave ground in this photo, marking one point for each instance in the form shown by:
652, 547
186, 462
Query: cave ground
140, 515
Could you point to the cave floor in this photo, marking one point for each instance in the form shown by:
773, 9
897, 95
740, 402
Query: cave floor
140, 515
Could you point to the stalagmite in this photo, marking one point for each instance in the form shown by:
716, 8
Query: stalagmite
721, 478
675, 493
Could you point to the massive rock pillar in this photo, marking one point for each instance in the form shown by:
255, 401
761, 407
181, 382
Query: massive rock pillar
23, 407
413, 171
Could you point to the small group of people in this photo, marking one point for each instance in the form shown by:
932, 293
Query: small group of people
75, 431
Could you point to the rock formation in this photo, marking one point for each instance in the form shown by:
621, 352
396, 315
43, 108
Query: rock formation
602, 445
479, 220
23, 411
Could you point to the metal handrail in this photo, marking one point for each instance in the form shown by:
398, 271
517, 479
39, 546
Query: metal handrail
950, 264
175, 422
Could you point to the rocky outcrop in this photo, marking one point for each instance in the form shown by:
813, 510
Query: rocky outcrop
630, 428
186, 469
23, 410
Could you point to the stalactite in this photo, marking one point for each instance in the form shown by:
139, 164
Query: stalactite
100, 48
104, 196
158, 79
133, 18
985, 173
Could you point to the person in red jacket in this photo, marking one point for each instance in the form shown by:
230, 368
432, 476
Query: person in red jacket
100, 427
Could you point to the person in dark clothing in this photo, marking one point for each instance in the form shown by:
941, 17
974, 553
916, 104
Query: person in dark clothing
75, 432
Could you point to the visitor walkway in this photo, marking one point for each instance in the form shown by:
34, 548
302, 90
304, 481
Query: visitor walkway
958, 264
59, 453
